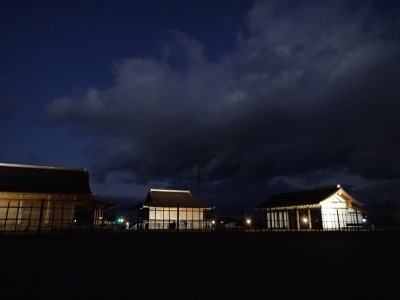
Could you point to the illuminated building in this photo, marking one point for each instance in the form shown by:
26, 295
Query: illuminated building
35, 198
172, 209
328, 208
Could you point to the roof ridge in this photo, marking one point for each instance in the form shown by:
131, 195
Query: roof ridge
171, 191
40, 167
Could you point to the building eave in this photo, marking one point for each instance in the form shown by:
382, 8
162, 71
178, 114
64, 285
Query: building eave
180, 207
290, 207
41, 167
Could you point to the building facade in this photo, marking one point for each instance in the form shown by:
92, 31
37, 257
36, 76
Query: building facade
328, 208
172, 209
35, 198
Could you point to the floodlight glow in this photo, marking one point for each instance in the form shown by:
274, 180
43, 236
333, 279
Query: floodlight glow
213, 222
364, 220
305, 220
248, 221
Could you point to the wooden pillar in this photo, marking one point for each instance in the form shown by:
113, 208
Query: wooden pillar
278, 219
212, 216
309, 219
358, 224
169, 218
6, 218
30, 216
137, 218
272, 219
199, 211
337, 213
271, 225
62, 217
286, 219
298, 218
41, 215
52, 213
17, 216
73, 214
93, 217
163, 218
192, 219
177, 218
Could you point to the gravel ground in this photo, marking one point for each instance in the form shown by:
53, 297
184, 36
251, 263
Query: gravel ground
306, 265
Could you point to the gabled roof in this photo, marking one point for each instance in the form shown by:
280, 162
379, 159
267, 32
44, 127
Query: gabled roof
172, 198
40, 179
308, 197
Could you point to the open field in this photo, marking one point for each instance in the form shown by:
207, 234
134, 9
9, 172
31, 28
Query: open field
308, 265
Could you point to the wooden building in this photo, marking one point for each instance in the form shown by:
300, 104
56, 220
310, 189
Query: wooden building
45, 198
172, 209
328, 208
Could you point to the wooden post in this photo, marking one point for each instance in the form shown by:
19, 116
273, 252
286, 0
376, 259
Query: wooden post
177, 218
199, 211
163, 219
277, 219
73, 214
41, 215
16, 217
169, 217
298, 219
137, 218
212, 217
192, 219
30, 216
62, 217
358, 224
6, 218
337, 213
93, 217
273, 218
270, 218
309, 219
52, 214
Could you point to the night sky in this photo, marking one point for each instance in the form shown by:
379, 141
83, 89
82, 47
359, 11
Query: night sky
234, 100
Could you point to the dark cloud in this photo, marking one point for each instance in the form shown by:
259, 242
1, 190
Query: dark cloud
311, 87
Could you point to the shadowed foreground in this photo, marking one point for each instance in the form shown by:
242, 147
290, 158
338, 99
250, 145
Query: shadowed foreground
201, 266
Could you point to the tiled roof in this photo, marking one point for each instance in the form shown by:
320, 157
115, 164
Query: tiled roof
308, 197
39, 179
172, 198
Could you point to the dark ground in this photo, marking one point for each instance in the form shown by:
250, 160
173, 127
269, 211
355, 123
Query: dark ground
308, 265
